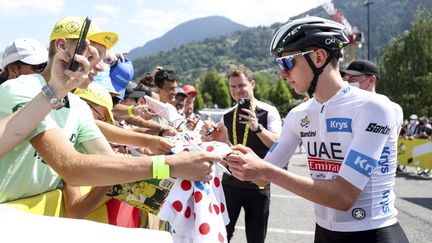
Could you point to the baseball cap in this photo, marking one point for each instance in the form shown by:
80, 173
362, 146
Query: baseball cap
98, 95
121, 73
189, 89
413, 117
26, 50
135, 94
70, 28
180, 91
361, 66
104, 80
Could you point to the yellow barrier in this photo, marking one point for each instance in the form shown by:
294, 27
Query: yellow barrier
416, 152
107, 211
51, 204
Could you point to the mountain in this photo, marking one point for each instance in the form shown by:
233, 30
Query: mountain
187, 32
388, 19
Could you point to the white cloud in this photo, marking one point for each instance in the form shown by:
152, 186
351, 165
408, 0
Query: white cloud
252, 12
99, 21
154, 23
110, 10
30, 7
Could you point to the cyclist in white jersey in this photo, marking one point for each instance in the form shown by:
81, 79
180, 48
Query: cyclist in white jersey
345, 131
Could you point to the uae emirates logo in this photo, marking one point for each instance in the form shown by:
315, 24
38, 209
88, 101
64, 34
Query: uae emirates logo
358, 213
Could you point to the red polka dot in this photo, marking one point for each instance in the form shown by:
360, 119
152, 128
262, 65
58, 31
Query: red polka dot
178, 206
222, 207
187, 213
216, 208
186, 185
221, 237
210, 148
198, 196
204, 228
185, 149
217, 181
210, 208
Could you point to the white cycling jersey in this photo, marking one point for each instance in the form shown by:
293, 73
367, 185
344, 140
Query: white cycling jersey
352, 135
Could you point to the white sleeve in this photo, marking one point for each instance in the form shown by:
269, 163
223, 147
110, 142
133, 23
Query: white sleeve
282, 150
371, 130
274, 123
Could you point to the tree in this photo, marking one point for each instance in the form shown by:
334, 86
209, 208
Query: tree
215, 90
199, 101
263, 84
281, 97
405, 66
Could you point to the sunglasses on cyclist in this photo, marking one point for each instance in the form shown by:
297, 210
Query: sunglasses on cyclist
286, 63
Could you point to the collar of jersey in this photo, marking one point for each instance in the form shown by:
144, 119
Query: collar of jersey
346, 89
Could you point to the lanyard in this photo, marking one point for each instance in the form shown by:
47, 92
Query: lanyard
246, 132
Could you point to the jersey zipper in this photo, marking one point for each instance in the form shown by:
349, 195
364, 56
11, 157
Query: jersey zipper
322, 123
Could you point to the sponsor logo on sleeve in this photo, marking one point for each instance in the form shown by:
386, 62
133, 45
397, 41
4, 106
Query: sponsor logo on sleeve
375, 128
384, 160
361, 163
339, 125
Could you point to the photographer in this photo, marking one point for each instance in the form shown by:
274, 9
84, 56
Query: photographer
256, 126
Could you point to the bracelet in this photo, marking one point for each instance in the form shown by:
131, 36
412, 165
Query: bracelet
130, 110
55, 103
160, 169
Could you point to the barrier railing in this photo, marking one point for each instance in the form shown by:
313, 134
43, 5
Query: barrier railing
415, 152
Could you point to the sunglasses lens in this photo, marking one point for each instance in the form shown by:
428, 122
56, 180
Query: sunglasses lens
39, 68
286, 63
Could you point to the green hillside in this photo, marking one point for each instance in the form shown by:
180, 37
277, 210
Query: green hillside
250, 47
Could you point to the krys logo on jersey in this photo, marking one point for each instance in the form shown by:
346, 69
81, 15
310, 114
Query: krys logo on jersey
361, 162
339, 125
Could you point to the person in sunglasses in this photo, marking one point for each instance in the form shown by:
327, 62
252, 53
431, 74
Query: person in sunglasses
346, 132
23, 56
29, 56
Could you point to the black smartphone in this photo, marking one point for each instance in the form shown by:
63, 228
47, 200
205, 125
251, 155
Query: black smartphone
80, 45
243, 103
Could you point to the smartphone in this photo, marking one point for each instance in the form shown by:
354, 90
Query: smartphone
80, 45
243, 103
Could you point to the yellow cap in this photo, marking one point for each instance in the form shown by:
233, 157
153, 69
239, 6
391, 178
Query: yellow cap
98, 95
70, 28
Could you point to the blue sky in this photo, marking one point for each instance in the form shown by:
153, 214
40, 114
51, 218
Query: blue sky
137, 21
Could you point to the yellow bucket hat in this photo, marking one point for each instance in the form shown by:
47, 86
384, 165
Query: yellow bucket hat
98, 95
70, 28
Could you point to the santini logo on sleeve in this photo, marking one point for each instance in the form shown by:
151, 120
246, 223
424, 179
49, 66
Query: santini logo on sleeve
361, 163
373, 127
339, 125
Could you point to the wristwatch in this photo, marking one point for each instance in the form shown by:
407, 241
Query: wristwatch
55, 103
259, 129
